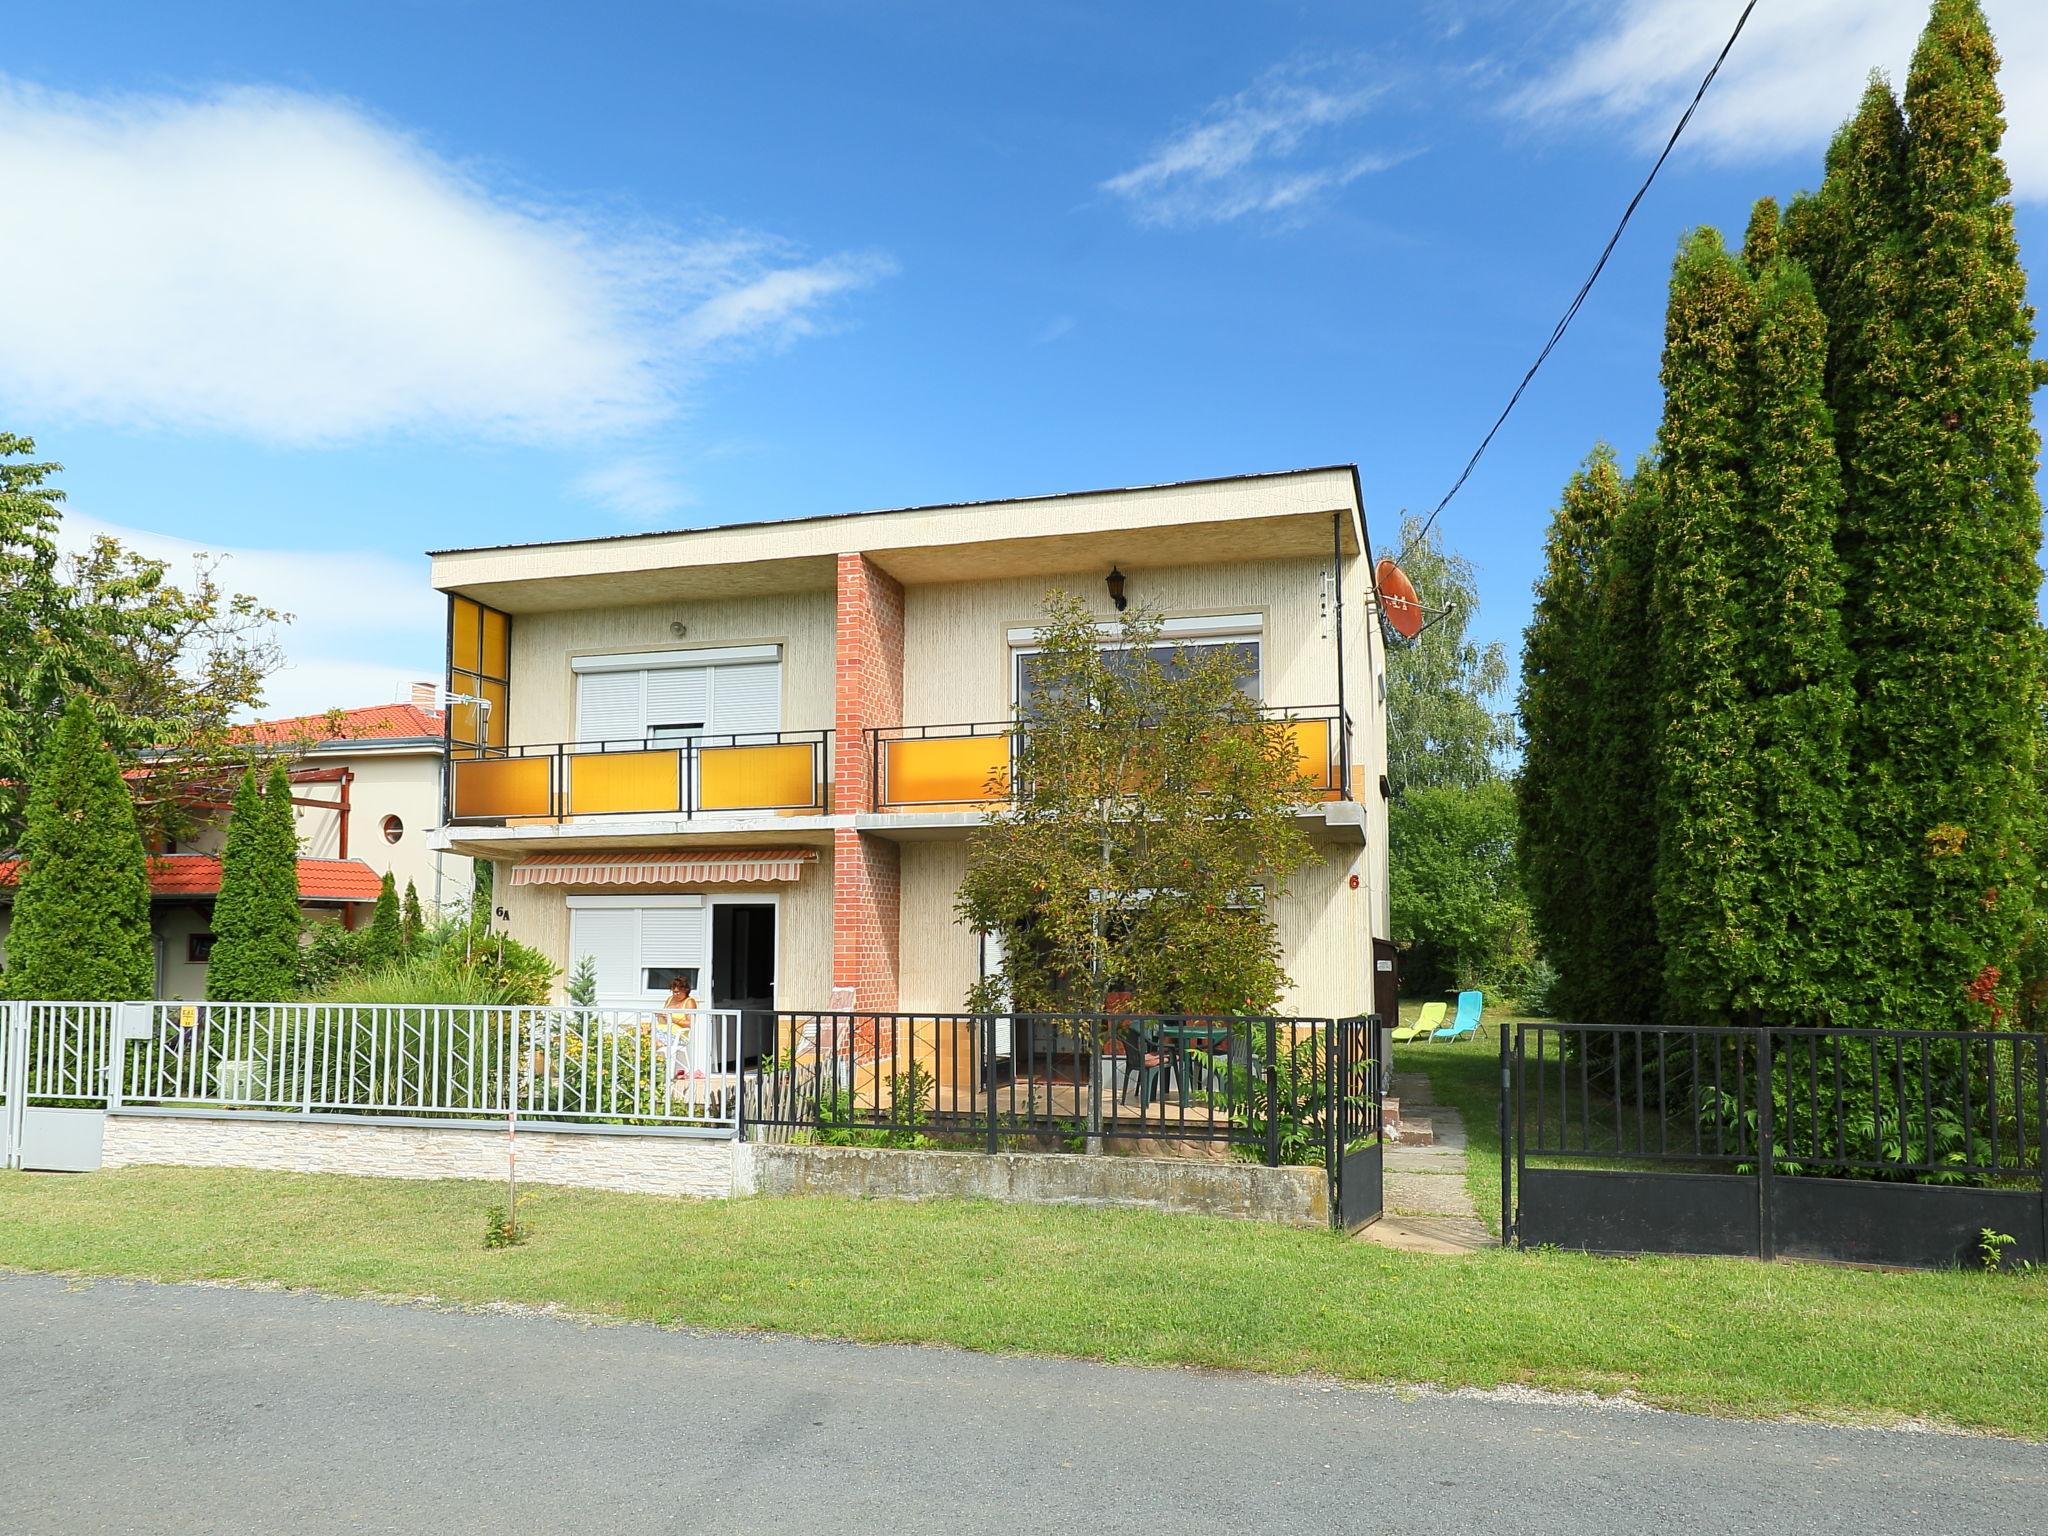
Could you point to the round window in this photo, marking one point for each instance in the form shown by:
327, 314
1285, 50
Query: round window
394, 829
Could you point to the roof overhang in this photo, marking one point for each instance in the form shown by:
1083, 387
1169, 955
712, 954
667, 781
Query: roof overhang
1305, 513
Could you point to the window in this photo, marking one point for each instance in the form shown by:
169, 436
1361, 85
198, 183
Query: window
198, 948
669, 697
394, 829
640, 946
479, 669
1238, 634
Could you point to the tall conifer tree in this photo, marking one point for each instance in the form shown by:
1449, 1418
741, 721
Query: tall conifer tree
1801, 935
1707, 790
1555, 811
1948, 640
1621, 861
81, 915
256, 917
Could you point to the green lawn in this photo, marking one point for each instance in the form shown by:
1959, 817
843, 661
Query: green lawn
1717, 1335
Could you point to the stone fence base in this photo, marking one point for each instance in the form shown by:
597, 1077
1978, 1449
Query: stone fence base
716, 1167
1295, 1197
639, 1165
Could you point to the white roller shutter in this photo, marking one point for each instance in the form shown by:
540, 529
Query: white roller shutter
678, 696
674, 936
737, 697
746, 697
608, 707
611, 938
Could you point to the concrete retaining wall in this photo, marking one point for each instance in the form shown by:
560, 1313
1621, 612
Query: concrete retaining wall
710, 1168
1295, 1197
640, 1165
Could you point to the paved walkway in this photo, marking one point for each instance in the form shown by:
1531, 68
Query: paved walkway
183, 1409
1428, 1207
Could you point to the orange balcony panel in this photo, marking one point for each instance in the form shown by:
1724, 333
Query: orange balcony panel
782, 777
1311, 742
500, 786
946, 770
604, 782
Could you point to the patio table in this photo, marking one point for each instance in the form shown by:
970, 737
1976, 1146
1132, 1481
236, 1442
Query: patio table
1210, 1037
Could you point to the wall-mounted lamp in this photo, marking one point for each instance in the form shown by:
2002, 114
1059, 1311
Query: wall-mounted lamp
1115, 582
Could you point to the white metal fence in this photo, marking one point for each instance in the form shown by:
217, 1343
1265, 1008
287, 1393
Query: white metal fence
592, 1067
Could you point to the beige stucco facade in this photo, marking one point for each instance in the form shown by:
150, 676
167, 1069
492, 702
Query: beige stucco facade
1284, 556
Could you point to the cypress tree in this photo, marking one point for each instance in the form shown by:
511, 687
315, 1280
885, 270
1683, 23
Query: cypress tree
1625, 957
81, 913
415, 921
256, 916
385, 941
1762, 243
1798, 680
1707, 791
1948, 640
1556, 816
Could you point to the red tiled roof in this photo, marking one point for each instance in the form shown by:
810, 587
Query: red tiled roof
198, 874
369, 723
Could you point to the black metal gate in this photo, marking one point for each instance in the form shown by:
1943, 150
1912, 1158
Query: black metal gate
1356, 1095
1895, 1147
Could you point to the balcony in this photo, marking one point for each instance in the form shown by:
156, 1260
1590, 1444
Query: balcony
967, 767
769, 772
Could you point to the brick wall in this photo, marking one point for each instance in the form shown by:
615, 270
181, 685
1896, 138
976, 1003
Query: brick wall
869, 677
866, 870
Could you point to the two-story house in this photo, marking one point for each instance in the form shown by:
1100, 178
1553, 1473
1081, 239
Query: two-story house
750, 756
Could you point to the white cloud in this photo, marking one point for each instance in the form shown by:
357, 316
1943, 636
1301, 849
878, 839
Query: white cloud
288, 268
363, 625
1053, 330
638, 487
1796, 73
1270, 149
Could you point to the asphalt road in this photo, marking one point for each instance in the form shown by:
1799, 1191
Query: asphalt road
139, 1408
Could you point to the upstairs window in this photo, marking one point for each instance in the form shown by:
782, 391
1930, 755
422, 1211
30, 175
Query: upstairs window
668, 697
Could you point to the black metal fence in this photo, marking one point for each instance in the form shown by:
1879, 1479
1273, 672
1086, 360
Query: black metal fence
1878, 1146
1272, 1090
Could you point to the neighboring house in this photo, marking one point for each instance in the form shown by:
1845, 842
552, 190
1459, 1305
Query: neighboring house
750, 756
368, 783
367, 787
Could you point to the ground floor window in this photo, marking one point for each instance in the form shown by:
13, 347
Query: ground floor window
721, 949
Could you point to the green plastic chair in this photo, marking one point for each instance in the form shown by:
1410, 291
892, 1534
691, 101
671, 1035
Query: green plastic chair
1426, 1024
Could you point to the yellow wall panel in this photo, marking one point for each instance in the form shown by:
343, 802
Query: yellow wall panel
501, 786
781, 777
624, 781
946, 770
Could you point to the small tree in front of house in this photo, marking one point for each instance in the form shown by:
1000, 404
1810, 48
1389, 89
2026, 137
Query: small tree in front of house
1151, 820
414, 921
81, 916
256, 918
386, 939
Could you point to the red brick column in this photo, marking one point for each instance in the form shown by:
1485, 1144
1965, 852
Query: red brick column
866, 878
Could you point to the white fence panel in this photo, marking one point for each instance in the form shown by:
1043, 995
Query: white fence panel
581, 1066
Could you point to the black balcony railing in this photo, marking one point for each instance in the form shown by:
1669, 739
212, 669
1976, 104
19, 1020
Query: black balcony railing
710, 775
970, 766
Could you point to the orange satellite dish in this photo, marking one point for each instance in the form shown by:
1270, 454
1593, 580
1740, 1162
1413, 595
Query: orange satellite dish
1399, 605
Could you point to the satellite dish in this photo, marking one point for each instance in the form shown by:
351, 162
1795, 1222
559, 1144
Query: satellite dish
1399, 606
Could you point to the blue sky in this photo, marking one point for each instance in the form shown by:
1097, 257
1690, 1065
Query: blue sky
326, 286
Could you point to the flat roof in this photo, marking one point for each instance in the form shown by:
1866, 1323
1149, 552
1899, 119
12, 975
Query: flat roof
936, 506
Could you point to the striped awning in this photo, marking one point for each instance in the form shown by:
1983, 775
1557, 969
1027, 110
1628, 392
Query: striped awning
697, 868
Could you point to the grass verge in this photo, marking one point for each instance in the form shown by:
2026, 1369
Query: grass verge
1711, 1335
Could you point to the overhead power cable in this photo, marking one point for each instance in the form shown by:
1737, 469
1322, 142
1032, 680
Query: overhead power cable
1578, 299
